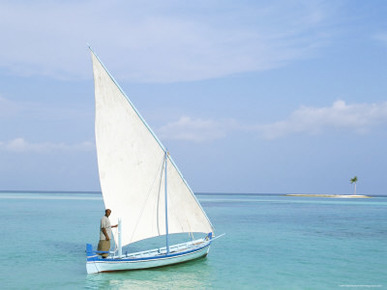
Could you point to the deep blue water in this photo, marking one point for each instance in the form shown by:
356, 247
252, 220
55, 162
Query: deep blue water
271, 242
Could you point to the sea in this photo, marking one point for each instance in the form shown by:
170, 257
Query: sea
271, 241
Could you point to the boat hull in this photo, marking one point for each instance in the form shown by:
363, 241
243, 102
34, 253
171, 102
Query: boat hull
98, 265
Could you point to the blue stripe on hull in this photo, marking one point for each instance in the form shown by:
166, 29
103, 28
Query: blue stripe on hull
149, 267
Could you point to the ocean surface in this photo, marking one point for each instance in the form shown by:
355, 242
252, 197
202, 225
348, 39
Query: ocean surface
271, 242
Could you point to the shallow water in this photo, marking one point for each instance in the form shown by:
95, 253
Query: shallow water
271, 242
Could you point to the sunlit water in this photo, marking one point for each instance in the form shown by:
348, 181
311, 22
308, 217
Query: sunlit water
271, 242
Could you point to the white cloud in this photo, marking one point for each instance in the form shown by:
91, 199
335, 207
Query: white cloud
21, 145
159, 42
358, 118
196, 130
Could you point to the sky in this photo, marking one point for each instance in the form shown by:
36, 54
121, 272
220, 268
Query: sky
248, 96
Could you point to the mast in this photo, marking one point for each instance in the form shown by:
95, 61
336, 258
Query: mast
166, 202
119, 239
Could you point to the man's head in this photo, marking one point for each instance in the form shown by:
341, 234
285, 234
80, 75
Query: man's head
107, 212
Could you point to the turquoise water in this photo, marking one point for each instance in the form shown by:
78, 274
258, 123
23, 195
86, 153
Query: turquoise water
271, 242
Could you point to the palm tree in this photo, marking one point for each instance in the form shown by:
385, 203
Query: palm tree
354, 180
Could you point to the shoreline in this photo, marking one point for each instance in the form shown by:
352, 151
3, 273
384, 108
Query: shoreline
330, 195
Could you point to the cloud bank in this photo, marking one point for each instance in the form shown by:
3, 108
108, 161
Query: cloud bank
352, 118
307, 120
356, 118
164, 41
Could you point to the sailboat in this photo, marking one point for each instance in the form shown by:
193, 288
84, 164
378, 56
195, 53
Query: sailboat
142, 186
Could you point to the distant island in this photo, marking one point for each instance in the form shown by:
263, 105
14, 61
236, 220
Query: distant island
330, 195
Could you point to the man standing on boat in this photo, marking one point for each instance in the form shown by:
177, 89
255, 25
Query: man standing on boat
105, 234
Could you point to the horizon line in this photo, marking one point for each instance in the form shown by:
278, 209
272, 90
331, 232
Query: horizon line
196, 193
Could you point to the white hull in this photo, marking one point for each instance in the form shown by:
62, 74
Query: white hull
149, 259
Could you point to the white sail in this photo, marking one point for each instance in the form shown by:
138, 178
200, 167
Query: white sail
131, 170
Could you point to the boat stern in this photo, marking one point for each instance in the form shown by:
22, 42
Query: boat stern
91, 257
